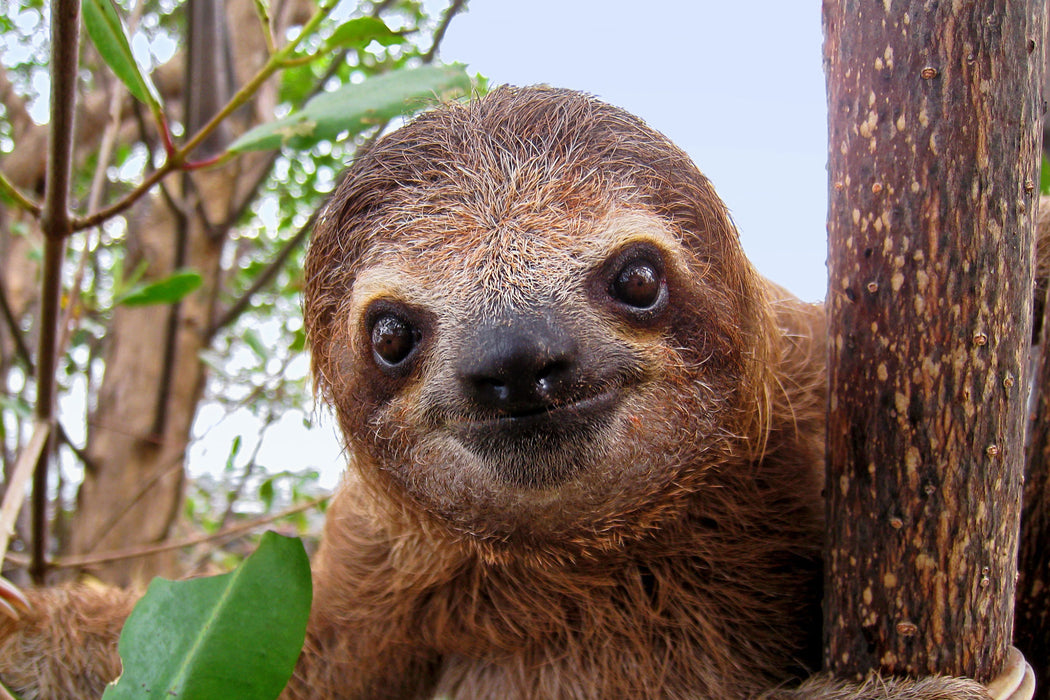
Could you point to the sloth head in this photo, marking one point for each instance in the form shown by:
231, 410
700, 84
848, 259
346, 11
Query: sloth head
534, 320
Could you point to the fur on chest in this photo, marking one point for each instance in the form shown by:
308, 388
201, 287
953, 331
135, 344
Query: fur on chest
671, 627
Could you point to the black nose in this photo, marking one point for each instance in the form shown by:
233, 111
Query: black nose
519, 364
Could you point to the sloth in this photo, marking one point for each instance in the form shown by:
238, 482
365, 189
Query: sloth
585, 436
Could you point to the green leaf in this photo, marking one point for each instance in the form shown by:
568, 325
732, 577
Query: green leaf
298, 343
1044, 176
359, 33
10, 692
266, 494
235, 448
232, 636
165, 291
17, 405
256, 344
353, 108
107, 33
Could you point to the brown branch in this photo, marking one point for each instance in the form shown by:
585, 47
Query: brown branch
265, 277
151, 143
8, 188
98, 183
57, 226
14, 492
16, 333
84, 561
27, 359
439, 34
249, 469
102, 215
127, 504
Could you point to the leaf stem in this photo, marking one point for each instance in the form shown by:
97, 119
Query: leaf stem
176, 159
20, 199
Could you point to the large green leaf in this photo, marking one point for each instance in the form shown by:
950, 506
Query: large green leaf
107, 33
232, 636
353, 108
165, 291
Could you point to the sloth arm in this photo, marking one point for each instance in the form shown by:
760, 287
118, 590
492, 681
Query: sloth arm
363, 639
64, 643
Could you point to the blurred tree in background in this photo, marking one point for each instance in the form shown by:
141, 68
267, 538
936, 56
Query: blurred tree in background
187, 290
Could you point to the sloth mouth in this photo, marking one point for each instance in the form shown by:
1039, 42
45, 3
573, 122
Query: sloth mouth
580, 411
540, 447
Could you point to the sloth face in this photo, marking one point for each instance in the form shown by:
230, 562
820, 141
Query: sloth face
512, 397
524, 336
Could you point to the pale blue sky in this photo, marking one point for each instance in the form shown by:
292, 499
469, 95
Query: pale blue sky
739, 86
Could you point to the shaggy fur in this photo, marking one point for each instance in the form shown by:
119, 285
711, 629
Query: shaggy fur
654, 531
65, 646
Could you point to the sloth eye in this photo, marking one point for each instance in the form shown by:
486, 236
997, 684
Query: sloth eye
638, 284
393, 339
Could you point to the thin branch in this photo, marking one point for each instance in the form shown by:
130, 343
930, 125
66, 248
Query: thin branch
175, 466
57, 226
249, 469
98, 217
98, 183
148, 550
15, 490
275, 266
16, 195
63, 436
65, 39
24, 355
265, 277
16, 333
151, 143
176, 160
439, 34
265, 24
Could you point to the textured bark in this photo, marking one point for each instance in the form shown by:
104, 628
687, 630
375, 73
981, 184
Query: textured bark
1032, 626
1032, 634
934, 141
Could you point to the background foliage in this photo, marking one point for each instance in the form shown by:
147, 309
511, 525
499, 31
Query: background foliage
356, 70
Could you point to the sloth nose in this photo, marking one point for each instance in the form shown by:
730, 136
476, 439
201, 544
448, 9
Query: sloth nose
519, 365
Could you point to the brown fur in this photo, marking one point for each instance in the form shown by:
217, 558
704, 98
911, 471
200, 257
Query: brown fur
663, 545
66, 644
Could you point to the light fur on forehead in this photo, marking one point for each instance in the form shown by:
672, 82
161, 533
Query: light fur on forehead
507, 268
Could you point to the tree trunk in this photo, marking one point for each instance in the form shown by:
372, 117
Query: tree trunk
934, 134
1032, 628
135, 494
154, 378
1032, 634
